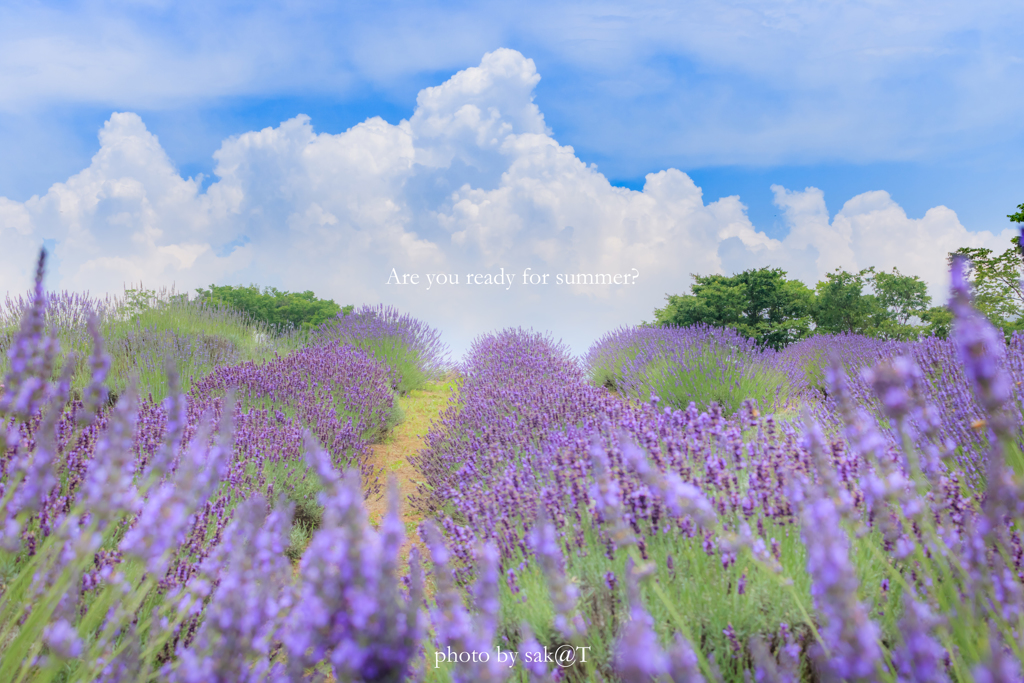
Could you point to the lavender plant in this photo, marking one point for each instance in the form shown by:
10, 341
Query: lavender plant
857, 531
128, 533
413, 350
699, 364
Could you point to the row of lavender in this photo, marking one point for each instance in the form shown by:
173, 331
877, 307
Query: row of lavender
151, 538
702, 364
699, 364
877, 538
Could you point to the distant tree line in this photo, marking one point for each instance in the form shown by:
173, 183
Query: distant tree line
767, 306
279, 310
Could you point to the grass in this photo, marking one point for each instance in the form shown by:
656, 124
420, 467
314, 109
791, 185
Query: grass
421, 408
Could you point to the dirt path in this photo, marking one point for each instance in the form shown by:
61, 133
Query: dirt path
421, 407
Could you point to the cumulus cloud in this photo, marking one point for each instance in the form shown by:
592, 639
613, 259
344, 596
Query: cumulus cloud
873, 230
472, 183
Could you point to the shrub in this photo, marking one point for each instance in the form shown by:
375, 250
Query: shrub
412, 349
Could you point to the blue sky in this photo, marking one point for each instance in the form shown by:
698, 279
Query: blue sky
920, 100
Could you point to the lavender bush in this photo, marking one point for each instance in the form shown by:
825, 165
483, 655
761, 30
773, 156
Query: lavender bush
699, 364
413, 350
137, 541
143, 330
860, 542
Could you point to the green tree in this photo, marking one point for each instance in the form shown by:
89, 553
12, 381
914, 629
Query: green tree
995, 281
842, 305
1019, 216
759, 303
277, 309
902, 297
938, 322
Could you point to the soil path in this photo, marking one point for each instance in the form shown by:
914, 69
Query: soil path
421, 407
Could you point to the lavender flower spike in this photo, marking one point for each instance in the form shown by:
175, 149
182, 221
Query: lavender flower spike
457, 631
32, 355
564, 593
161, 525
532, 655
638, 655
980, 345
681, 497
920, 658
683, 666
248, 603
849, 634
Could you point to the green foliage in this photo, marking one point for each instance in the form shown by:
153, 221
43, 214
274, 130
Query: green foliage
295, 484
396, 354
149, 329
995, 281
902, 296
938, 321
764, 305
842, 305
759, 303
144, 329
714, 374
1019, 216
608, 370
276, 309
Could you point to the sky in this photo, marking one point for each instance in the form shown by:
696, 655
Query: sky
346, 149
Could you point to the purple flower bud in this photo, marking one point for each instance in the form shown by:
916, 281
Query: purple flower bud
981, 346
638, 655
62, 639
683, 663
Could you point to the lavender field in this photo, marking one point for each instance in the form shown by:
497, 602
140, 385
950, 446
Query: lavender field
183, 497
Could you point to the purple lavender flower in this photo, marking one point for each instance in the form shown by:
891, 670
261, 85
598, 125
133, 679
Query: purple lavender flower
766, 669
683, 665
638, 655
457, 631
564, 593
32, 356
850, 637
350, 608
981, 346
920, 657
532, 655
607, 498
160, 528
96, 393
681, 497
247, 606
62, 639
109, 488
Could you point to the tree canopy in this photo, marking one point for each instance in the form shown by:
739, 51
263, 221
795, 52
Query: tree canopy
766, 306
277, 309
761, 304
996, 280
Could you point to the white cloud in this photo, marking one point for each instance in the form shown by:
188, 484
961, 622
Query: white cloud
873, 230
472, 183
